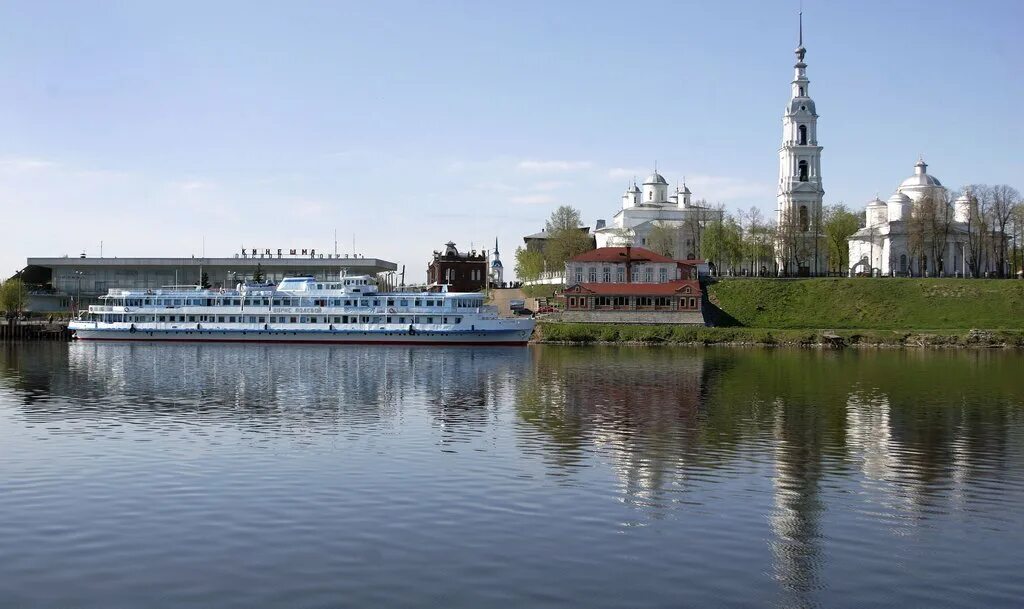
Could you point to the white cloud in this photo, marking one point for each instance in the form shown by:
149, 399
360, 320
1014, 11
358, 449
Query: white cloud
722, 189
23, 165
626, 173
536, 199
553, 166
551, 185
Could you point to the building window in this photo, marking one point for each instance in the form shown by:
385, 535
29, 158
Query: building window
649, 275
620, 275
693, 303
592, 275
579, 275
803, 170
662, 275
903, 263
802, 140
607, 275
804, 218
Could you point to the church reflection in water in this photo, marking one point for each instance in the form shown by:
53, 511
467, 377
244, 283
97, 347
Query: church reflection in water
907, 433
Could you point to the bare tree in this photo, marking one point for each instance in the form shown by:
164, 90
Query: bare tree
928, 232
1004, 201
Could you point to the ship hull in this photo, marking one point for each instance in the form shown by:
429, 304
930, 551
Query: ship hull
468, 337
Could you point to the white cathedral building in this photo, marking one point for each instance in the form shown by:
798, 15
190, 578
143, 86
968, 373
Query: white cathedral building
883, 246
643, 209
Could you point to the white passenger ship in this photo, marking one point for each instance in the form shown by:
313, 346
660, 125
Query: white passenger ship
300, 310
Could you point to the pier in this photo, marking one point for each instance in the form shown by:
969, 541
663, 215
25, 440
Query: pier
11, 331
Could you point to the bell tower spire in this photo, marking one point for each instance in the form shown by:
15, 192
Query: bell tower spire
800, 191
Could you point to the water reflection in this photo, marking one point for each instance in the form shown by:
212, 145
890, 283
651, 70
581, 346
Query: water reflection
774, 469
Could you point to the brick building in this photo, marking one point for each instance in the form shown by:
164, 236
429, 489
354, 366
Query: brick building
460, 271
630, 285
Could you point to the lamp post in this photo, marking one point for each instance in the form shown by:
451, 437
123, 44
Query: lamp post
78, 294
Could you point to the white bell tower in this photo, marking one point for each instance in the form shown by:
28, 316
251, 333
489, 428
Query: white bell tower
800, 193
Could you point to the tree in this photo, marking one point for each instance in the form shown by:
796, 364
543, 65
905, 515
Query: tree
662, 239
529, 264
1004, 201
928, 232
977, 227
204, 280
13, 297
257, 275
565, 239
838, 224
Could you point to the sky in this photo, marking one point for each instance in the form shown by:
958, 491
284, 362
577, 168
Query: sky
192, 128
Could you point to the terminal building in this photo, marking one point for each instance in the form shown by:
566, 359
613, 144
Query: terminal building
55, 282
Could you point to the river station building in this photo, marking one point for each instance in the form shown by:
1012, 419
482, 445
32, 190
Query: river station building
54, 283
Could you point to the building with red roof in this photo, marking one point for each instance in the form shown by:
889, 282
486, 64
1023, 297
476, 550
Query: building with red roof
630, 285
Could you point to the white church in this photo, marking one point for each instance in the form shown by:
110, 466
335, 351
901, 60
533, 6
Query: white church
883, 246
643, 209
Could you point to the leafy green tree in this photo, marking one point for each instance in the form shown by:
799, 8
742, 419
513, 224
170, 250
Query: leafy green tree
838, 225
204, 280
13, 297
257, 276
565, 239
529, 264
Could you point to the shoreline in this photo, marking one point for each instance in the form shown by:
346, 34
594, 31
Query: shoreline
560, 333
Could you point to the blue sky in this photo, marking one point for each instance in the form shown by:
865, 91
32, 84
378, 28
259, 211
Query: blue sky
150, 126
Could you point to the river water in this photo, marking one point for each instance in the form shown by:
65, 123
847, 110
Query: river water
334, 476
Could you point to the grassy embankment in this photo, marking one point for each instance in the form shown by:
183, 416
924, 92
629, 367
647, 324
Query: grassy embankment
876, 312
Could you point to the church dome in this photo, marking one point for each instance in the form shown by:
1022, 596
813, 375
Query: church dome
497, 264
921, 177
801, 104
899, 199
876, 203
655, 178
632, 189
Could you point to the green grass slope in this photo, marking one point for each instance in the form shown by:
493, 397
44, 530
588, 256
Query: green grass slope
865, 303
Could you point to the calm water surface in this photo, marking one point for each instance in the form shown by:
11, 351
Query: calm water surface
320, 476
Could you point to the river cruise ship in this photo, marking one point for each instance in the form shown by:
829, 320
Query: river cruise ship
300, 310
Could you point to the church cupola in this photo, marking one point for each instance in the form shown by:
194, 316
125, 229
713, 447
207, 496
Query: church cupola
655, 189
683, 195
631, 198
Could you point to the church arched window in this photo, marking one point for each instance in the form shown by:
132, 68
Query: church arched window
805, 222
802, 165
801, 91
903, 264
802, 138
650, 195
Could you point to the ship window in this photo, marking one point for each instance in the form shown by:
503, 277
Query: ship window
293, 320
191, 317
231, 319
364, 303
376, 303
458, 320
403, 303
391, 302
262, 319
418, 302
430, 320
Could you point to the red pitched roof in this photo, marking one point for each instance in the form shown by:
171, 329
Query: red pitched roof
637, 289
618, 254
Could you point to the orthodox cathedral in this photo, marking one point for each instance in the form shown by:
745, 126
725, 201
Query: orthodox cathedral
644, 209
883, 246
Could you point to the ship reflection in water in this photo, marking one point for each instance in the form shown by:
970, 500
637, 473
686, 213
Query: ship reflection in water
268, 475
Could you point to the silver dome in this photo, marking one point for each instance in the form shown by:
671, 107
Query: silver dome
655, 178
